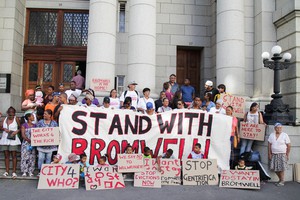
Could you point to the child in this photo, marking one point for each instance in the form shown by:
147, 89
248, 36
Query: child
83, 164
128, 149
167, 155
73, 159
204, 108
102, 161
147, 152
241, 165
196, 153
39, 98
56, 159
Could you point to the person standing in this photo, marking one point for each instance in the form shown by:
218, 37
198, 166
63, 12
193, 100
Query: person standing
174, 86
279, 147
142, 104
79, 80
131, 92
73, 89
188, 92
210, 89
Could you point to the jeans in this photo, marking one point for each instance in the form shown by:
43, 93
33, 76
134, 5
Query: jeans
246, 145
42, 156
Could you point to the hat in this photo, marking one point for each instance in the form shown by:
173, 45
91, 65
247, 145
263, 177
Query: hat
91, 91
209, 83
219, 101
38, 87
149, 106
106, 100
72, 97
29, 92
58, 156
132, 83
55, 94
277, 124
89, 96
73, 157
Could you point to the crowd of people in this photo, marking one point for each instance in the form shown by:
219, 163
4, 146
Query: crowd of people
42, 109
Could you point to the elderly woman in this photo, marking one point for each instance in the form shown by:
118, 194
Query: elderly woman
45, 152
218, 108
10, 141
279, 151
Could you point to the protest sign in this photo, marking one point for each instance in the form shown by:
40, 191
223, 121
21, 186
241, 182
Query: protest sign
200, 172
98, 131
45, 136
130, 163
252, 131
102, 177
237, 103
100, 85
147, 178
59, 176
245, 179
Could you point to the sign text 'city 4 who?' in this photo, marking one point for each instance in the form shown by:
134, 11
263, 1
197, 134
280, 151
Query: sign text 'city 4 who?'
45, 136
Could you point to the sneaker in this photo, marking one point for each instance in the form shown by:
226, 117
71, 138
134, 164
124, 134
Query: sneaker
30, 174
24, 174
5, 174
14, 175
280, 184
38, 175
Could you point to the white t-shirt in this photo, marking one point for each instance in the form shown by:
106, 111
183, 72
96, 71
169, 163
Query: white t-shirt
134, 97
109, 108
279, 145
163, 109
115, 103
69, 92
143, 101
219, 111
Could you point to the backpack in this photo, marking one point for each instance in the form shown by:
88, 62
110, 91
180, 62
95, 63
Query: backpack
135, 92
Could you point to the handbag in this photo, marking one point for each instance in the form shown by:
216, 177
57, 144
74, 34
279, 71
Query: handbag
10, 136
235, 142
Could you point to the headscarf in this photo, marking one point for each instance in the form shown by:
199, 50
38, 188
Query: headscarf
29, 92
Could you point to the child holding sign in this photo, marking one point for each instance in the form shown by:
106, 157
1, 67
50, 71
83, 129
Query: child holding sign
147, 152
241, 165
128, 149
196, 153
102, 161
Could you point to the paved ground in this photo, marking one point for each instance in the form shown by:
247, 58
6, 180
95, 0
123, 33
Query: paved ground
26, 190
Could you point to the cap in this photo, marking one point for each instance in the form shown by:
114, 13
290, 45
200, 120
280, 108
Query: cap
209, 83
58, 156
132, 83
219, 101
106, 100
55, 94
277, 124
73, 157
149, 106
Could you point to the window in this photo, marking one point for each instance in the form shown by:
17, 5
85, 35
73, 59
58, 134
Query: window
122, 17
120, 83
42, 28
75, 29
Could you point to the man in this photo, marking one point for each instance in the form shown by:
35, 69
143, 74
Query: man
188, 92
106, 103
73, 90
149, 109
174, 86
159, 102
79, 80
143, 101
209, 89
59, 107
131, 92
61, 88
48, 96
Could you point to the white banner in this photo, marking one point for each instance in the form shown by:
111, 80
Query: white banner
97, 132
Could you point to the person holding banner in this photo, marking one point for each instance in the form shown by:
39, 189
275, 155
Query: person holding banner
127, 104
196, 104
165, 107
114, 100
28, 153
253, 117
45, 152
279, 148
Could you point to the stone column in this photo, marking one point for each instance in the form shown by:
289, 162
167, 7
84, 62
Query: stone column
142, 43
230, 67
100, 71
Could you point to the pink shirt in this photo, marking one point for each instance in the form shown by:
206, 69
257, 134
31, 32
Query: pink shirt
234, 125
79, 81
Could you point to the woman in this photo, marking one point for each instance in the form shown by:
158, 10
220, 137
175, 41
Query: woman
279, 148
208, 101
53, 103
218, 108
89, 101
28, 154
114, 100
165, 107
10, 126
177, 96
29, 104
95, 101
253, 117
196, 104
127, 104
159, 102
180, 104
234, 131
45, 152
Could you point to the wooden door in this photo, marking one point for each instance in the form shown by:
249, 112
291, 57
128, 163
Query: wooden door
66, 73
188, 66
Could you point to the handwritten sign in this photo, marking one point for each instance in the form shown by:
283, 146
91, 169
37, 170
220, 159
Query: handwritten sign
59, 176
237, 103
130, 163
245, 179
45, 136
252, 131
147, 178
100, 85
200, 172
103, 177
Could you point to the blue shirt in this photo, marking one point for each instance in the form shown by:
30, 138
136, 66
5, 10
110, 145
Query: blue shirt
187, 93
211, 104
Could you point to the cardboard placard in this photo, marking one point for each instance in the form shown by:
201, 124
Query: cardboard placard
297, 172
245, 179
45, 136
130, 163
237, 103
147, 178
252, 131
170, 170
102, 177
200, 172
59, 176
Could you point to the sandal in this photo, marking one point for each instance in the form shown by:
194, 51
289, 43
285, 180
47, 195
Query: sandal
14, 175
5, 174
